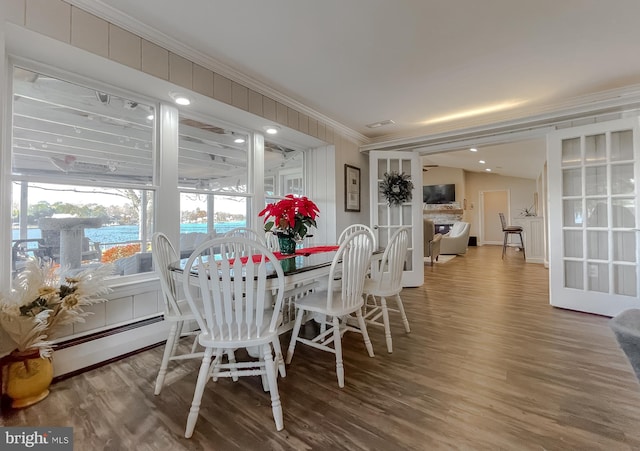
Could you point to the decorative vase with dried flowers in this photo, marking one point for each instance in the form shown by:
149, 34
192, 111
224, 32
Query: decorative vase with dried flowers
292, 217
41, 303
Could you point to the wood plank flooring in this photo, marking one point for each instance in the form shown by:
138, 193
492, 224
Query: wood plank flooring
488, 365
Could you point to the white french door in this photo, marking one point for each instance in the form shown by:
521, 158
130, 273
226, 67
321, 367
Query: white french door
386, 219
593, 217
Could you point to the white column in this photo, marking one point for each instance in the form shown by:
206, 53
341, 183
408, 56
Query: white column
256, 170
320, 178
5, 158
168, 215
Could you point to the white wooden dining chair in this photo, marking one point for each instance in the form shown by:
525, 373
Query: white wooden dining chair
176, 308
356, 228
353, 259
385, 282
343, 236
245, 232
350, 230
242, 232
272, 241
239, 312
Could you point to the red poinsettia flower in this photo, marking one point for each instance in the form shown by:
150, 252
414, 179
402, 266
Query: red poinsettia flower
291, 216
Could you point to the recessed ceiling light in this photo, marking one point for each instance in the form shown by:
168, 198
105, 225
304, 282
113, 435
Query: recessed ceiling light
271, 129
180, 99
488, 169
380, 124
482, 162
473, 149
238, 140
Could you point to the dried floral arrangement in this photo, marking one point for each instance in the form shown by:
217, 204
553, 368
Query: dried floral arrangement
43, 301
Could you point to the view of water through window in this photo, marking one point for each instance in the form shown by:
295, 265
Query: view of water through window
126, 233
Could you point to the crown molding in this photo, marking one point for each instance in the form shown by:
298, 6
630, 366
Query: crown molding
541, 118
116, 17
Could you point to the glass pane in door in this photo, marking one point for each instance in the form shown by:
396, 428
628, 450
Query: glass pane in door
598, 245
573, 274
573, 243
624, 246
596, 180
623, 212
598, 277
625, 281
597, 213
572, 182
595, 149
623, 180
622, 146
571, 154
572, 211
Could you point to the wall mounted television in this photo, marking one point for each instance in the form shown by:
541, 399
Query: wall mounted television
439, 194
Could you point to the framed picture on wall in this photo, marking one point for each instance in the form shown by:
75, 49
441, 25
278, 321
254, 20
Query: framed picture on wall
351, 188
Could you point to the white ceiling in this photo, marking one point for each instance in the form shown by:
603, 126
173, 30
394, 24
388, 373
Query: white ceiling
429, 65
522, 158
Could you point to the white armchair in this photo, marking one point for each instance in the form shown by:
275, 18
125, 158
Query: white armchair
456, 240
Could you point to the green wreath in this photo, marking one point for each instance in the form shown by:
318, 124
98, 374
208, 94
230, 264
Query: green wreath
396, 188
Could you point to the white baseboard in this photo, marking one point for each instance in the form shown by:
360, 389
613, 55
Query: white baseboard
81, 356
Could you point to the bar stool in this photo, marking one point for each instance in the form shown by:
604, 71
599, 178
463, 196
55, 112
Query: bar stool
508, 230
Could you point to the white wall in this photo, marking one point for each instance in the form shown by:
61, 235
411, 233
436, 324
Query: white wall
442, 176
520, 189
470, 184
347, 152
321, 176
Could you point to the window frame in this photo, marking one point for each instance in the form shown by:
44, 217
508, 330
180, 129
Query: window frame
7, 154
249, 194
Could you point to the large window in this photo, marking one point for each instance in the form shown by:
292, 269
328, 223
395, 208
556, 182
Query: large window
84, 164
90, 185
283, 172
83, 174
213, 174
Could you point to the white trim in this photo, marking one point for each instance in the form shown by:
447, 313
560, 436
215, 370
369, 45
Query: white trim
506, 137
128, 23
530, 122
93, 352
122, 286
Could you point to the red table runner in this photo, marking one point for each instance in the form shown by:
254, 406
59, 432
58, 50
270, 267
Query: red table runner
316, 250
306, 252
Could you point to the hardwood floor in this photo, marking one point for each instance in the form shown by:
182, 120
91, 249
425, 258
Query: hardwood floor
489, 364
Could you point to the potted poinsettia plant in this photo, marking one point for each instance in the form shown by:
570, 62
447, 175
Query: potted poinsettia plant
291, 219
42, 302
